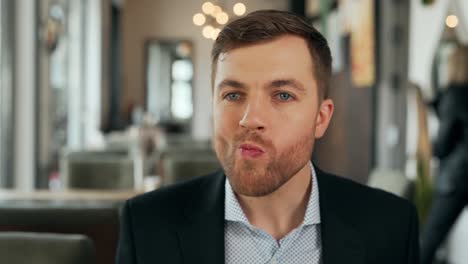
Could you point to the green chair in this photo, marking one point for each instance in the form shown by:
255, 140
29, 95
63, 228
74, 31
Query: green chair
45, 248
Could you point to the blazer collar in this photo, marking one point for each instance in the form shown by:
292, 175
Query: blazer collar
341, 242
201, 232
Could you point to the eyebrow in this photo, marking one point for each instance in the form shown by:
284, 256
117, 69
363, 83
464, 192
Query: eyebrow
278, 83
287, 82
231, 83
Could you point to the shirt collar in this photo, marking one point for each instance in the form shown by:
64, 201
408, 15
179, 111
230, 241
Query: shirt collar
233, 211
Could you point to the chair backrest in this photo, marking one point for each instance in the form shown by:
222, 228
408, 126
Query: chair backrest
97, 220
45, 248
99, 170
177, 168
182, 158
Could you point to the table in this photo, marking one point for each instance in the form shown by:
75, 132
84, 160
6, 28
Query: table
68, 195
94, 213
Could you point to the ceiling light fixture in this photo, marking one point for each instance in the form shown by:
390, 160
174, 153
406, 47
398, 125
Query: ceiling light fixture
213, 17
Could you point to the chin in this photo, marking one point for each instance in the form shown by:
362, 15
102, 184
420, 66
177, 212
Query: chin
250, 180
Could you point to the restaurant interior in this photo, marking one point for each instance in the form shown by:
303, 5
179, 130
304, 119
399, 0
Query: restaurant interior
103, 100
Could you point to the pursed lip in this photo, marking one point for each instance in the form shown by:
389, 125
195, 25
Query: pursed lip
248, 146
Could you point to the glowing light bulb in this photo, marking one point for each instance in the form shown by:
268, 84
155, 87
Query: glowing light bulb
239, 9
222, 18
207, 8
199, 19
216, 11
208, 31
215, 34
451, 21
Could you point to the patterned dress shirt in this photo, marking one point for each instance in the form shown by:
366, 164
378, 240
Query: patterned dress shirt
245, 243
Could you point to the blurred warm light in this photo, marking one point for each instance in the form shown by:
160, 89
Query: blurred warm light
239, 9
199, 19
208, 8
222, 18
216, 11
451, 21
215, 33
208, 31
184, 49
214, 17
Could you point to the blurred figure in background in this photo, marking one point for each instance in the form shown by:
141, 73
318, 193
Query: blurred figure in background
451, 147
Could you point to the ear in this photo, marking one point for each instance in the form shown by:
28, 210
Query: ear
324, 116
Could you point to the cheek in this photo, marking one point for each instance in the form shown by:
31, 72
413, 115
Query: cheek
292, 136
217, 118
225, 121
294, 129
296, 144
224, 130
298, 118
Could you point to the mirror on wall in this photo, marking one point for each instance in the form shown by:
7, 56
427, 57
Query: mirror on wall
169, 81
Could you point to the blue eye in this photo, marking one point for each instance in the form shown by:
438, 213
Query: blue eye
284, 96
232, 96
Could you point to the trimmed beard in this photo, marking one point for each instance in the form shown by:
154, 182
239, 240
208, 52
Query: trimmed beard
248, 177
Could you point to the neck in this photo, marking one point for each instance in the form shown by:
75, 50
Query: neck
283, 210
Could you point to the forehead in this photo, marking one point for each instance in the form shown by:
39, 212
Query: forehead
285, 57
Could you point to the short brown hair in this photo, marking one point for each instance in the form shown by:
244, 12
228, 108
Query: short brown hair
268, 25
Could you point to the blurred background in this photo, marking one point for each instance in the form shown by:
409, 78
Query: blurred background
101, 100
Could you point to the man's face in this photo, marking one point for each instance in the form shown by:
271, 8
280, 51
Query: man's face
266, 114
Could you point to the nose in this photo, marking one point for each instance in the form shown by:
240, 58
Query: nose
254, 117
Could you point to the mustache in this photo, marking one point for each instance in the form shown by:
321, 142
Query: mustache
254, 138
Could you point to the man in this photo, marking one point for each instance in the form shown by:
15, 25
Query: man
270, 76
451, 148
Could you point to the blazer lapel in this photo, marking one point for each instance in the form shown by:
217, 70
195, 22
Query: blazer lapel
201, 234
341, 243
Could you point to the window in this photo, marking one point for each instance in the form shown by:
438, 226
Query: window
69, 110
1, 123
6, 94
